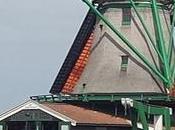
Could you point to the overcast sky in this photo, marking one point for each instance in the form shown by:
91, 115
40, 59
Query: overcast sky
35, 36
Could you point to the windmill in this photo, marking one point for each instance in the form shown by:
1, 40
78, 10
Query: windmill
130, 45
123, 52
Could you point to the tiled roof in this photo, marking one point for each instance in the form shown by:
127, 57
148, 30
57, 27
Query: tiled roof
79, 67
74, 55
85, 116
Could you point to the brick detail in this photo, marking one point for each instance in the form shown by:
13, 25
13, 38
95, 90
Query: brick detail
79, 66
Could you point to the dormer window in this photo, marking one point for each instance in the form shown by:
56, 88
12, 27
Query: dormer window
126, 16
124, 62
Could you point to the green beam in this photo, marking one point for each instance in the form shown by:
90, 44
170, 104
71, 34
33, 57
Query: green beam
153, 110
150, 109
105, 97
144, 109
146, 30
170, 48
126, 41
173, 71
167, 119
161, 42
142, 117
134, 118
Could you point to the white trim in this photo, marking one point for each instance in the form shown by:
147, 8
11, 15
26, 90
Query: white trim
158, 122
139, 125
35, 105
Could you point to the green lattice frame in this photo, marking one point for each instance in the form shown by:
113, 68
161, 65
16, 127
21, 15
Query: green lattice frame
167, 72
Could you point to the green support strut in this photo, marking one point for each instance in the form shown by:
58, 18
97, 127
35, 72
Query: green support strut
134, 116
170, 48
126, 41
146, 30
142, 109
161, 42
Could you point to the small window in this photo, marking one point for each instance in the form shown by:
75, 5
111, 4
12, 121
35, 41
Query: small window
64, 127
124, 63
126, 16
1, 127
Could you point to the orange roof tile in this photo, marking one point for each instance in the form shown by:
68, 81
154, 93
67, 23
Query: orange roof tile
79, 67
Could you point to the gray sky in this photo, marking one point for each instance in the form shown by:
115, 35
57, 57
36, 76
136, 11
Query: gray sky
35, 36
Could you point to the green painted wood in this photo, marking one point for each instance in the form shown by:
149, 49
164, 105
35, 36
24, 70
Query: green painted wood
153, 44
112, 97
170, 48
144, 108
161, 43
134, 115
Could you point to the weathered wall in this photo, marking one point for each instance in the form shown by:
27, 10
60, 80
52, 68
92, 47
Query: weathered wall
103, 73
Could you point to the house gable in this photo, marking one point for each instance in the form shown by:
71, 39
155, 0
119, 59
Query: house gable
32, 105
